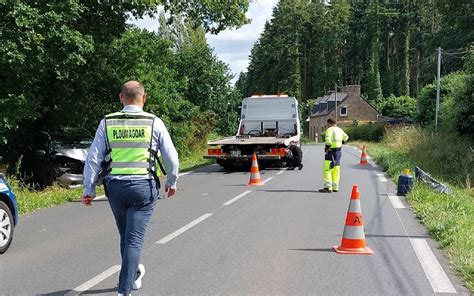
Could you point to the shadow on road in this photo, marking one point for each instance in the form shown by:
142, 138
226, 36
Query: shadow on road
292, 190
396, 236
362, 167
88, 292
59, 293
313, 250
216, 169
99, 291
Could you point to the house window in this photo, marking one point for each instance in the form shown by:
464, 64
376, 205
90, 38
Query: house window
343, 111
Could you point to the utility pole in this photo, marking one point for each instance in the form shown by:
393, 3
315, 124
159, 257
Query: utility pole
335, 97
438, 79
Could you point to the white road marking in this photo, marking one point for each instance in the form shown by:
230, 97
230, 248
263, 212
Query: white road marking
381, 177
184, 174
94, 281
231, 201
435, 273
281, 172
183, 229
396, 202
100, 197
437, 277
267, 180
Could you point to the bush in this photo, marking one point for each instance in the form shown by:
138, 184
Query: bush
398, 107
367, 132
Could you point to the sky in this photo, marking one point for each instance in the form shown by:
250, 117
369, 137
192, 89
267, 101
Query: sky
232, 46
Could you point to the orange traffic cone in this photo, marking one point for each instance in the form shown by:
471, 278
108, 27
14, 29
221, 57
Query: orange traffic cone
254, 173
353, 238
363, 157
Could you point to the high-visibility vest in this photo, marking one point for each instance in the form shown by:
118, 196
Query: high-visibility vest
130, 136
334, 137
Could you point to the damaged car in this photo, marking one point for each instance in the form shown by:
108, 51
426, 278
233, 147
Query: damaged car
55, 159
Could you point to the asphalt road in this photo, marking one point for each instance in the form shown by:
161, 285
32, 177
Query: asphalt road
218, 236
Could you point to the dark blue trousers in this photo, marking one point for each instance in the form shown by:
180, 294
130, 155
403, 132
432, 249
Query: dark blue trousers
132, 203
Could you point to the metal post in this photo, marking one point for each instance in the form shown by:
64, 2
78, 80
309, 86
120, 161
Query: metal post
335, 97
438, 79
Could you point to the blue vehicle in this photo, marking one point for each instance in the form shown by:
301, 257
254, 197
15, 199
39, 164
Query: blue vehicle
8, 214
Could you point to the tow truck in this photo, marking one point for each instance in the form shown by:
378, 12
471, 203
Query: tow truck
269, 125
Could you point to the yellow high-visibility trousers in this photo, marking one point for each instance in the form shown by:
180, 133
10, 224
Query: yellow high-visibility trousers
331, 176
332, 169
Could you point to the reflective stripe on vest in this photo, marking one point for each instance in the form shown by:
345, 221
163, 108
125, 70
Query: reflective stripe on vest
129, 136
334, 137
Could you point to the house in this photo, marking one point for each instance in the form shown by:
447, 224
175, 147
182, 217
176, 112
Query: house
350, 107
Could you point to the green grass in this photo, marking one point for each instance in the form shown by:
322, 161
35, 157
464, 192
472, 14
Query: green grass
194, 160
31, 200
448, 218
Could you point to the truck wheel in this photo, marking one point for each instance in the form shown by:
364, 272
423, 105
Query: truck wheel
6, 227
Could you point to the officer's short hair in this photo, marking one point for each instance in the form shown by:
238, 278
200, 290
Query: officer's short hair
331, 121
132, 90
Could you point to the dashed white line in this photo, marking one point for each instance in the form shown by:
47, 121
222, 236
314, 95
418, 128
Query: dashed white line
280, 172
268, 180
100, 197
382, 177
94, 281
437, 277
183, 229
231, 201
396, 202
184, 174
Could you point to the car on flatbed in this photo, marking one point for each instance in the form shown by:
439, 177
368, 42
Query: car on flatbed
269, 125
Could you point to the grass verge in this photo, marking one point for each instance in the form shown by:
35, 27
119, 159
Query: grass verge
448, 219
31, 200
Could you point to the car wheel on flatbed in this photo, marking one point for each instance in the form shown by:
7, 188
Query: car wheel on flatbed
6, 227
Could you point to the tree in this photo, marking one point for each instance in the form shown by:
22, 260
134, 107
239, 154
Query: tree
58, 72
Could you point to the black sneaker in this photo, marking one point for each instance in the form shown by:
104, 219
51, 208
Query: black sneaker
325, 190
300, 167
335, 190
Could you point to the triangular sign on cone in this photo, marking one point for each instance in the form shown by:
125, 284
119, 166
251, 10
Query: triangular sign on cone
255, 173
363, 157
353, 238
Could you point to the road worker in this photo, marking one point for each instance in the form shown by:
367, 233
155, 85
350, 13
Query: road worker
128, 141
297, 156
334, 137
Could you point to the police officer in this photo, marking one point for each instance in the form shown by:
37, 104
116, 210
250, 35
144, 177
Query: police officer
334, 137
128, 142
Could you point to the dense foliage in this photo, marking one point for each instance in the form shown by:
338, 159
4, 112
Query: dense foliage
397, 107
366, 132
63, 63
389, 47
